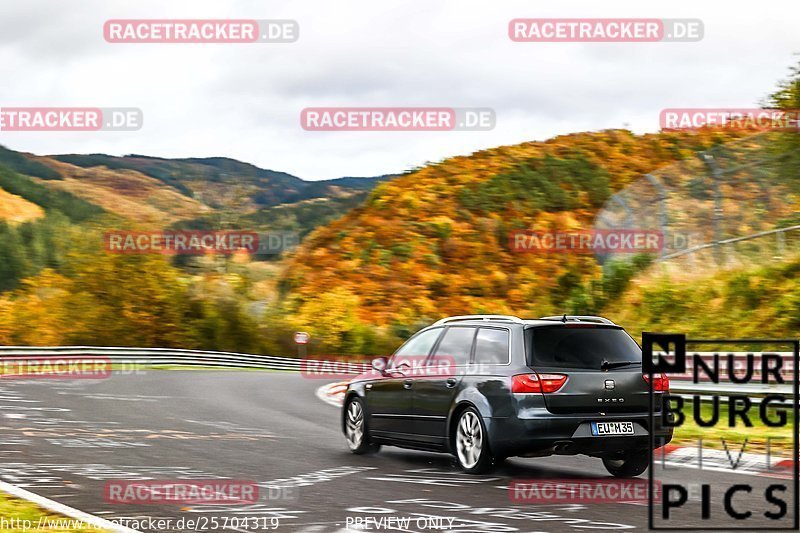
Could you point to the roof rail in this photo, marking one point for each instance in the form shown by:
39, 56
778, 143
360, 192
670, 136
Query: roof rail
503, 318
580, 318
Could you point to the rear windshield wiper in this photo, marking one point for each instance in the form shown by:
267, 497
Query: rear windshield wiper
605, 365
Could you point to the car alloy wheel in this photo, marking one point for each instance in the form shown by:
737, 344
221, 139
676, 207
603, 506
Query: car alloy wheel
354, 427
469, 440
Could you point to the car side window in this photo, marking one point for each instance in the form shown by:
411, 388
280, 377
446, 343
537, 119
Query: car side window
418, 346
456, 343
491, 346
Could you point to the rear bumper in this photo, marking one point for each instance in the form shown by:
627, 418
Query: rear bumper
570, 435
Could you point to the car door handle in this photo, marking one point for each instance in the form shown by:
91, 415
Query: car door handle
407, 383
451, 382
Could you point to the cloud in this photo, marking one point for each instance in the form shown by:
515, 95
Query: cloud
244, 101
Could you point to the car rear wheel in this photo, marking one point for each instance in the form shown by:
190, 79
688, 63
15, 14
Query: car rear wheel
630, 465
472, 446
355, 429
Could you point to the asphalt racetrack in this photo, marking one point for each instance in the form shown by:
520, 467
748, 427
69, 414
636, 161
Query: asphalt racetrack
67, 439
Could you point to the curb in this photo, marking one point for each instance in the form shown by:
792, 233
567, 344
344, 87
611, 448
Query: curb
333, 393
730, 461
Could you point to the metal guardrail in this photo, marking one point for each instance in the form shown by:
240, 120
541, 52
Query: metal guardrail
155, 357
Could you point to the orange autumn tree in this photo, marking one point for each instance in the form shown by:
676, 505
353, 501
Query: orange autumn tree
434, 242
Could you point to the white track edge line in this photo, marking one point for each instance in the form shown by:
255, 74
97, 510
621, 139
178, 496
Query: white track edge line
65, 510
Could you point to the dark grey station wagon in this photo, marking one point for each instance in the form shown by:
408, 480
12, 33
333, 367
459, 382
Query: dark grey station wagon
487, 387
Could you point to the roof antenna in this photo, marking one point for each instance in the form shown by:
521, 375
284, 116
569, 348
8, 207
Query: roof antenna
565, 318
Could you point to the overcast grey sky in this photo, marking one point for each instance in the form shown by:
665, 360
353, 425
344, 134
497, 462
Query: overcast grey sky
244, 100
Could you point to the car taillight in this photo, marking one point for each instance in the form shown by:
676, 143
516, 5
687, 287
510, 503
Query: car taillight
660, 382
526, 383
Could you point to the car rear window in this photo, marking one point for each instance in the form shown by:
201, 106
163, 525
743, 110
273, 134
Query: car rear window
579, 346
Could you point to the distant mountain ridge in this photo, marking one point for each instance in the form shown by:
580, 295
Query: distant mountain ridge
276, 187
155, 190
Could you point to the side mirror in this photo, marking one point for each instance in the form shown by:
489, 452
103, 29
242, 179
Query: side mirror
379, 364
401, 368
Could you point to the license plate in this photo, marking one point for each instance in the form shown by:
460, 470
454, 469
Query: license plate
612, 428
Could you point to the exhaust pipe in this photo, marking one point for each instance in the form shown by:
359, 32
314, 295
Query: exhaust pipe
564, 448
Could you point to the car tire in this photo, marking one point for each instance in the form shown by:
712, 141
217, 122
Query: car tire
471, 443
355, 428
630, 465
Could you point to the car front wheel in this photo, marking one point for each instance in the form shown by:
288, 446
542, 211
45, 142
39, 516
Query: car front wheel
355, 429
472, 446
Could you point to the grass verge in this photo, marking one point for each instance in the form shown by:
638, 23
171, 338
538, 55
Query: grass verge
14, 513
